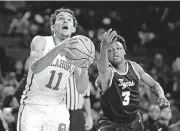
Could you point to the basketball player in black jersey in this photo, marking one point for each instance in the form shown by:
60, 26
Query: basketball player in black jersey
118, 80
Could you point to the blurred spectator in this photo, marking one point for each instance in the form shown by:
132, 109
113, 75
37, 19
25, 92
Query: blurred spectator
19, 70
9, 119
20, 23
157, 119
175, 111
95, 103
3, 123
10, 80
14, 5
145, 35
159, 28
160, 71
176, 90
176, 65
145, 97
151, 121
26, 65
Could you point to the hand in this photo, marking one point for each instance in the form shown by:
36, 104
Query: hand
107, 39
163, 102
89, 122
86, 66
67, 45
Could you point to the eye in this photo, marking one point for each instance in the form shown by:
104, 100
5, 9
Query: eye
60, 18
110, 50
119, 48
69, 19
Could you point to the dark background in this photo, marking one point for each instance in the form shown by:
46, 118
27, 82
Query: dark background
151, 30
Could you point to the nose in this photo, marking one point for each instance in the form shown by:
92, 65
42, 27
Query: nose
115, 51
65, 20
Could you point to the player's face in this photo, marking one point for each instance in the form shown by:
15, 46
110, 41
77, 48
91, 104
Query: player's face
64, 24
116, 53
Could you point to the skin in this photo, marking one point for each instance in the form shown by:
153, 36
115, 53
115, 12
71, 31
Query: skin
38, 44
112, 51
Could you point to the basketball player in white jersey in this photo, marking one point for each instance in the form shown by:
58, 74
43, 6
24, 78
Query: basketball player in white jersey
42, 104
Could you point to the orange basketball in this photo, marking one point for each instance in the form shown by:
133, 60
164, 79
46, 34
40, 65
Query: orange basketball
84, 55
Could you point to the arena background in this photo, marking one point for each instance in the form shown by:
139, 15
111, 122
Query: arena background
151, 30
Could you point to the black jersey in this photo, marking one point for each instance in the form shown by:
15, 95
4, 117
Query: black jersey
120, 102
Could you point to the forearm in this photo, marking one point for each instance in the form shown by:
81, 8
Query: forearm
87, 106
44, 61
82, 83
103, 62
157, 90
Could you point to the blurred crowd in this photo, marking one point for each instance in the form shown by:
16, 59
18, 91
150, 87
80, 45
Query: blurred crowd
151, 31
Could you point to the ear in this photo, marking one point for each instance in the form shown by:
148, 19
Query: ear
124, 52
52, 29
74, 30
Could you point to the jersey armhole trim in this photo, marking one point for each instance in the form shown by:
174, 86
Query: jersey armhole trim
135, 71
112, 75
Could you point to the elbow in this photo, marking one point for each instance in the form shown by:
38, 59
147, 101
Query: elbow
81, 89
34, 69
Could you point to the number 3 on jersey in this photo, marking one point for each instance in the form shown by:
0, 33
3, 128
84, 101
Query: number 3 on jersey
49, 85
126, 99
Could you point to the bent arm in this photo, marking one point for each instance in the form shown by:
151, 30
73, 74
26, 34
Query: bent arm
147, 79
40, 60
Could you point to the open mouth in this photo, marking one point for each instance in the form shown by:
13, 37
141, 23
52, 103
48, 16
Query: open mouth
115, 57
65, 27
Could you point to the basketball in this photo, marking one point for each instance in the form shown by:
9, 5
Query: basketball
84, 55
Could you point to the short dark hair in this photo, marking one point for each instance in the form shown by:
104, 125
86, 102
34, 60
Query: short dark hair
121, 40
53, 16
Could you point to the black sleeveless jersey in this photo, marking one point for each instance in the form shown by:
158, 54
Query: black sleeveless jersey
120, 102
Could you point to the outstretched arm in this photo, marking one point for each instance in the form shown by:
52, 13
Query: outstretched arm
103, 62
154, 85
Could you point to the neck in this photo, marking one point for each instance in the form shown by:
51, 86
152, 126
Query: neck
59, 39
121, 67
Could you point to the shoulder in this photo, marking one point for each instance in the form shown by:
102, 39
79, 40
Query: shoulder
38, 43
136, 66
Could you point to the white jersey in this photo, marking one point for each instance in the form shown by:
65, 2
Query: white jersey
48, 87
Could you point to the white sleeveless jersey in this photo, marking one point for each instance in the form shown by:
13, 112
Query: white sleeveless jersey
48, 87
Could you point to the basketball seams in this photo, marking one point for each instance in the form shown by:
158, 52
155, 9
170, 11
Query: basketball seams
79, 59
82, 52
84, 44
76, 58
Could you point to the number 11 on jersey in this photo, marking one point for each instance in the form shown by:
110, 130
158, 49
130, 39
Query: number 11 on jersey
49, 85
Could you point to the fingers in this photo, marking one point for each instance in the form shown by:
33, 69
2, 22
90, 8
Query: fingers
68, 51
103, 35
114, 40
112, 35
72, 44
163, 102
107, 33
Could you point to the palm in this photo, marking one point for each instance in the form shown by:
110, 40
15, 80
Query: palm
108, 39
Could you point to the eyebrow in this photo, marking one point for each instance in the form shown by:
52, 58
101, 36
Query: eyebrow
62, 15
